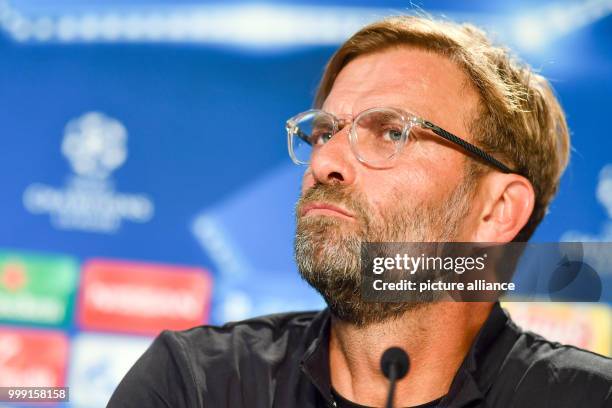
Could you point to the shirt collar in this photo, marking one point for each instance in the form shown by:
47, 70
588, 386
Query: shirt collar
473, 379
477, 372
315, 362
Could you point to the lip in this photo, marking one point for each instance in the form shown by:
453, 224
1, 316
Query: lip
326, 209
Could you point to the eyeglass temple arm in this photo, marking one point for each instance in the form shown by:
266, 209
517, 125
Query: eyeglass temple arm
467, 146
301, 134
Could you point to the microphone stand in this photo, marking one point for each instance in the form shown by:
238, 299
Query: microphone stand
394, 364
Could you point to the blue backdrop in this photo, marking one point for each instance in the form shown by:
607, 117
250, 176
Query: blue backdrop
194, 97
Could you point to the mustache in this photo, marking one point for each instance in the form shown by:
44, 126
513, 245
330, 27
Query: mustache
336, 195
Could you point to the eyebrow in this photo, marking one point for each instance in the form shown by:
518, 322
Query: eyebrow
390, 105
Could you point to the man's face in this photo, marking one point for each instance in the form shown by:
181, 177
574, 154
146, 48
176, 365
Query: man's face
423, 197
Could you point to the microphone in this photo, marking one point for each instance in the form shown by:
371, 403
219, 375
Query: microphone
394, 364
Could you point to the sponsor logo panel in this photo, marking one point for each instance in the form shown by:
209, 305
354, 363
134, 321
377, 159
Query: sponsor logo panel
32, 358
588, 326
98, 363
142, 298
37, 289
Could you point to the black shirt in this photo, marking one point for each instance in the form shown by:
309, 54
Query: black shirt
283, 361
342, 402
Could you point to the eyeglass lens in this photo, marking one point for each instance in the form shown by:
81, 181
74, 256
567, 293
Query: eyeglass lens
377, 135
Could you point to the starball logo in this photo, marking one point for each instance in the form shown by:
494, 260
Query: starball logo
95, 145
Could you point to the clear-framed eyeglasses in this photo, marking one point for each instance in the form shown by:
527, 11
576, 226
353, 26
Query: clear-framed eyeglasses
377, 136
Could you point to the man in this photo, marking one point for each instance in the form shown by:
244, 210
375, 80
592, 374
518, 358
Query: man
424, 132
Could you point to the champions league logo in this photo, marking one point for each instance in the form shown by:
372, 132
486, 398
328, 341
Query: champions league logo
95, 146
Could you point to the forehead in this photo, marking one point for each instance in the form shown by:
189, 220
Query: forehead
422, 82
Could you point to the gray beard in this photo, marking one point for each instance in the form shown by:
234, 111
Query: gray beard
328, 250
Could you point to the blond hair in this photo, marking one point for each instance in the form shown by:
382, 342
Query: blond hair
519, 118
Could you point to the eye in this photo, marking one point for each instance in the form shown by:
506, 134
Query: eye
393, 135
321, 137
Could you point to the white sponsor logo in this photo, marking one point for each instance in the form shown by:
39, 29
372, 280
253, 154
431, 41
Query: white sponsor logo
144, 302
95, 146
28, 307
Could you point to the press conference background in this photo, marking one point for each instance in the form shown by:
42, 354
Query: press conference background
145, 177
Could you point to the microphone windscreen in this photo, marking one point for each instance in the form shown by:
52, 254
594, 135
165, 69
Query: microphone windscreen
395, 356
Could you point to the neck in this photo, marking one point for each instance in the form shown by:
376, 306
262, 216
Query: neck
437, 338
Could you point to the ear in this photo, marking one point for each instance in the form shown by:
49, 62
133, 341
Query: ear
505, 204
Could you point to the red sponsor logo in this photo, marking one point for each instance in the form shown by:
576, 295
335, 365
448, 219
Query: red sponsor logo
32, 358
143, 298
14, 276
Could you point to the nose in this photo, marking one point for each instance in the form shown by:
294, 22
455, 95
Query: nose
334, 162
